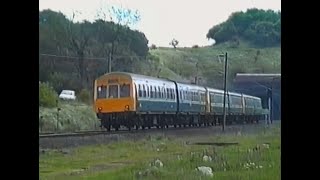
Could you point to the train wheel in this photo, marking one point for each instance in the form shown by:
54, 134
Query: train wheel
137, 127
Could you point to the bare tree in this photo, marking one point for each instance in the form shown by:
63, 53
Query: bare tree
174, 43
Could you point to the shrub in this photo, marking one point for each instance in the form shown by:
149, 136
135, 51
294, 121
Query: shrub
84, 96
47, 96
195, 46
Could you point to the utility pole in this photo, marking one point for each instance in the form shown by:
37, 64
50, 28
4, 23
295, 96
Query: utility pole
225, 90
109, 63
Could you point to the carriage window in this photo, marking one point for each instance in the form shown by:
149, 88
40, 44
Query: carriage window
159, 92
236, 100
180, 93
102, 92
151, 92
140, 91
174, 94
168, 93
148, 91
155, 92
218, 98
163, 92
125, 90
202, 97
113, 91
186, 96
144, 91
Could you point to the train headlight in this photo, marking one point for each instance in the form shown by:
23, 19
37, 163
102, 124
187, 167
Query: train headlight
127, 107
99, 109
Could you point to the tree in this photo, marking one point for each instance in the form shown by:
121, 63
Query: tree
78, 39
260, 27
120, 18
174, 43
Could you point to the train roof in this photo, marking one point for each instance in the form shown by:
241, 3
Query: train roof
139, 77
215, 90
234, 93
190, 86
253, 97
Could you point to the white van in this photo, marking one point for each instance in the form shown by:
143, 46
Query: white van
67, 95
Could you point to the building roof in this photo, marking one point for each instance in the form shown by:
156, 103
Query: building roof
241, 77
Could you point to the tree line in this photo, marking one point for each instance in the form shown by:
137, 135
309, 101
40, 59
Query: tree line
110, 39
260, 27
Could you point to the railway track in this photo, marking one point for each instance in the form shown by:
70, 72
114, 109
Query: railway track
75, 139
101, 132
123, 131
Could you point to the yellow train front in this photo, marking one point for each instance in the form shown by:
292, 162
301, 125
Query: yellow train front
114, 100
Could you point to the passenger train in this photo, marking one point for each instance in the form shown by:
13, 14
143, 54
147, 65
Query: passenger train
138, 101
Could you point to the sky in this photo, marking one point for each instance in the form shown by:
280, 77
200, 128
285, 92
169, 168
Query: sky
188, 21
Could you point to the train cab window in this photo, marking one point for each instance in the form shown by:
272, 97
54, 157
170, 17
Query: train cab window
125, 90
113, 91
102, 92
144, 91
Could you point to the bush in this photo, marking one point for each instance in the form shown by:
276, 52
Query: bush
47, 96
153, 46
84, 96
195, 46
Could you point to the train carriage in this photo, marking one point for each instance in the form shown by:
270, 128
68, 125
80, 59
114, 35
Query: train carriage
253, 108
191, 104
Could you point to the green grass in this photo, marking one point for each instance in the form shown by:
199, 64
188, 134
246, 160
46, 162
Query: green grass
72, 116
132, 160
181, 63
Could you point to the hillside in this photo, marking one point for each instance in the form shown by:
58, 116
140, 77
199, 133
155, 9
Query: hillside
184, 64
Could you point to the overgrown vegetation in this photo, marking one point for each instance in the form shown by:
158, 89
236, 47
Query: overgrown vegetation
84, 96
47, 95
67, 117
256, 157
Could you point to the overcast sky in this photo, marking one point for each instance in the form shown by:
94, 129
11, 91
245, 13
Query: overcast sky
188, 21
